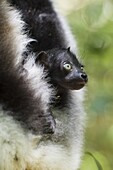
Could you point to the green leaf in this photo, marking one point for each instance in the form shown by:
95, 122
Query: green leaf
96, 161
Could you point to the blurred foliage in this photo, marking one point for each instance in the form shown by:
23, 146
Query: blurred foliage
92, 26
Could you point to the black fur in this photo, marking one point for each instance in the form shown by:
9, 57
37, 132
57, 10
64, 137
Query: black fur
42, 23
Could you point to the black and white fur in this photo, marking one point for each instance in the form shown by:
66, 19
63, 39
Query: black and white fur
21, 150
24, 96
51, 34
50, 31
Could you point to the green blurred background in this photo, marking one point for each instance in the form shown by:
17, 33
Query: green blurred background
91, 22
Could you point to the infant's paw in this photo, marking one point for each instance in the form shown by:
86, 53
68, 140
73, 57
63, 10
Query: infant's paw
42, 124
49, 124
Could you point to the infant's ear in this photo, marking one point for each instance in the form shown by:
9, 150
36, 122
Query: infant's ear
42, 58
68, 49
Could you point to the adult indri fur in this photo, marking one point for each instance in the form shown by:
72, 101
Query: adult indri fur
19, 148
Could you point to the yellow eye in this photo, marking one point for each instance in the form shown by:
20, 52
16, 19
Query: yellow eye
67, 66
82, 67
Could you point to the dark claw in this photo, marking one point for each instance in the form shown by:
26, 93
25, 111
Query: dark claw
49, 124
43, 124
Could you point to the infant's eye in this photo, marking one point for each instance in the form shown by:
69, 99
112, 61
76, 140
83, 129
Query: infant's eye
82, 67
67, 66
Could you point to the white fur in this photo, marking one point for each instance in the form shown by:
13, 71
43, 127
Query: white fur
34, 154
15, 149
64, 155
36, 75
15, 34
